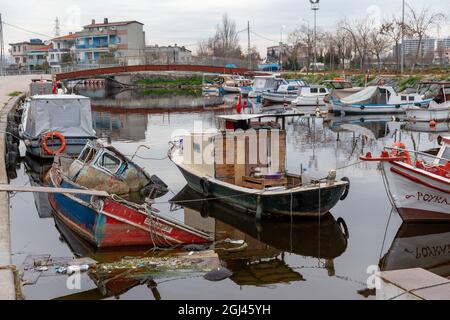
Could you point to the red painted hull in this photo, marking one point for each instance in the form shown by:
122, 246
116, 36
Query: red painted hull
118, 224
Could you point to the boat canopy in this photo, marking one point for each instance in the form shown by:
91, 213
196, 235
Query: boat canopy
68, 114
369, 95
262, 83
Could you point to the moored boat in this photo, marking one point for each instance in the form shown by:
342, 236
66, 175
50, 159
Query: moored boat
124, 217
285, 93
263, 84
56, 123
311, 96
340, 88
247, 168
420, 191
437, 110
377, 100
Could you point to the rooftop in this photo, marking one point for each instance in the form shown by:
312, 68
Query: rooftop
107, 24
66, 37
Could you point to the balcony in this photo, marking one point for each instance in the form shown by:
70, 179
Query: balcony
91, 46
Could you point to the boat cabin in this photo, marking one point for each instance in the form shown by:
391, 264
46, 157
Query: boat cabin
267, 83
444, 152
104, 168
239, 155
339, 84
313, 91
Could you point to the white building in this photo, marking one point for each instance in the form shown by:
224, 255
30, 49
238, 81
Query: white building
62, 51
167, 55
122, 42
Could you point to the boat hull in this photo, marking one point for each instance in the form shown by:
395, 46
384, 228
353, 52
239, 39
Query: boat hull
421, 114
278, 97
115, 224
229, 89
418, 196
378, 109
304, 203
309, 101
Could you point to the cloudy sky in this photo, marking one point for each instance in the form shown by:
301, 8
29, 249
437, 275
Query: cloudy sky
185, 22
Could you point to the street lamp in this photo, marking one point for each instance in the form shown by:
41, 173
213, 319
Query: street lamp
315, 7
402, 63
281, 47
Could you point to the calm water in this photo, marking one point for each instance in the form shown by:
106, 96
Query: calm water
283, 260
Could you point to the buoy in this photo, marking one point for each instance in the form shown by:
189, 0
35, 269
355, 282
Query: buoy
432, 124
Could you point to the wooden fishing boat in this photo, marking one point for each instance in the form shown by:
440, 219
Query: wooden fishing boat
244, 164
311, 96
340, 88
118, 219
420, 191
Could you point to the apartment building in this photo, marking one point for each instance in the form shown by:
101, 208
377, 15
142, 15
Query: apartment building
122, 42
19, 51
167, 55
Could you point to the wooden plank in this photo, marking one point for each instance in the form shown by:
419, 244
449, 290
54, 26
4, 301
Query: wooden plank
10, 188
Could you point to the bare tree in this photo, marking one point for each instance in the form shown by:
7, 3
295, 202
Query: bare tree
359, 31
380, 43
392, 28
225, 42
302, 39
419, 22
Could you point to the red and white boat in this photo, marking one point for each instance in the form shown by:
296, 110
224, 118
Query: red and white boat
420, 191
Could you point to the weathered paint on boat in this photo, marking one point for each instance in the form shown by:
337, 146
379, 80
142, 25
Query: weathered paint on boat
303, 203
116, 224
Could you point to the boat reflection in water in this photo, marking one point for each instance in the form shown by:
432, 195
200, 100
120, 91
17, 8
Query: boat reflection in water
262, 261
37, 169
420, 245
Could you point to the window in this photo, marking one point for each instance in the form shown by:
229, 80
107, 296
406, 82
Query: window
109, 162
14, 48
24, 60
17, 60
403, 98
322, 90
314, 90
445, 155
411, 98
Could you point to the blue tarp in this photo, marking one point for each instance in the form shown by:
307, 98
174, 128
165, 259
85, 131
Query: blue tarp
230, 65
269, 67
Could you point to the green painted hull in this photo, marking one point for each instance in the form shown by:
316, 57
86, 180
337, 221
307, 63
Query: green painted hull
300, 203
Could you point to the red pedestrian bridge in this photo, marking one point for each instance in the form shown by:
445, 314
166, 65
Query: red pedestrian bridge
99, 72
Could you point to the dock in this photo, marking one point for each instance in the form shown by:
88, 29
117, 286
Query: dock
412, 284
8, 84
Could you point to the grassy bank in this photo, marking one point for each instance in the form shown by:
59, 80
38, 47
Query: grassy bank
170, 82
401, 82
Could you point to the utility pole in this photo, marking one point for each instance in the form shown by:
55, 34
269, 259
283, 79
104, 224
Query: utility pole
281, 48
249, 56
315, 7
57, 28
2, 48
402, 63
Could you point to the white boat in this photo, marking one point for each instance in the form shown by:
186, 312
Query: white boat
311, 96
234, 83
340, 88
285, 93
263, 84
437, 110
420, 191
378, 100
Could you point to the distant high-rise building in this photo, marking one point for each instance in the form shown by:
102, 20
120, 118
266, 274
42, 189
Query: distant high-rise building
427, 45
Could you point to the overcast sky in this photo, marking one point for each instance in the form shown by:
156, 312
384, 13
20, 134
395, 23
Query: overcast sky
185, 22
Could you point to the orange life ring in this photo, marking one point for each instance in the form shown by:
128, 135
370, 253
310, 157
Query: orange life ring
52, 134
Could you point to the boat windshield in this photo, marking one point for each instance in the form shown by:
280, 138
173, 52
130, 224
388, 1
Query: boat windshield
109, 162
341, 85
445, 156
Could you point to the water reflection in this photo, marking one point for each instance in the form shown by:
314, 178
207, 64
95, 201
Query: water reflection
420, 245
262, 262
37, 169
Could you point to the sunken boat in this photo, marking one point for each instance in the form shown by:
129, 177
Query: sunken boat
244, 164
121, 213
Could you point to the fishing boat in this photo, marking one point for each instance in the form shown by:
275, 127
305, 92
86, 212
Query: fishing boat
263, 84
377, 100
235, 84
420, 191
56, 123
340, 88
437, 110
245, 165
311, 96
124, 215
285, 93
